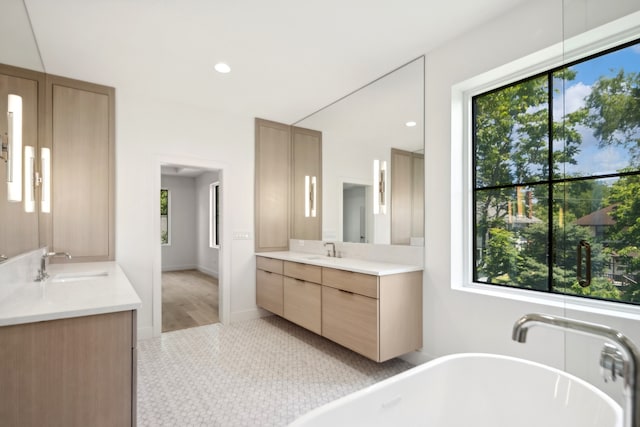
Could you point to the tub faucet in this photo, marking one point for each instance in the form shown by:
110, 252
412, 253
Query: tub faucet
628, 352
42, 273
332, 252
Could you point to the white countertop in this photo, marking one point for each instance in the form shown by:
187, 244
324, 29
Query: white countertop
72, 290
376, 268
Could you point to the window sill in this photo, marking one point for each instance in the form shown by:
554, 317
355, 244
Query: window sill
604, 308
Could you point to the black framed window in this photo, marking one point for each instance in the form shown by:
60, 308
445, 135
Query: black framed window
556, 180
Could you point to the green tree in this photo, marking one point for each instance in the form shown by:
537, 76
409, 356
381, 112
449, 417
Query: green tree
501, 255
613, 108
625, 233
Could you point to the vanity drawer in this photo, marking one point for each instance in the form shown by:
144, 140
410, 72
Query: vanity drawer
310, 273
351, 320
269, 264
302, 303
363, 284
269, 291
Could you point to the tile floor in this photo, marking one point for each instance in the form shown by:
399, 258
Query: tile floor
264, 372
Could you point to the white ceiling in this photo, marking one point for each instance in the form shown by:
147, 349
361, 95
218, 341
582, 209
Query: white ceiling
288, 57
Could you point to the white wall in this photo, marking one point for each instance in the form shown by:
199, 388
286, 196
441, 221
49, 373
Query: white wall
207, 257
149, 129
457, 321
180, 253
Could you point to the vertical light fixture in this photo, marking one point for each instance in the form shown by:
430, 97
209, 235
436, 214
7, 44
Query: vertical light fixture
309, 196
29, 179
45, 204
379, 187
14, 149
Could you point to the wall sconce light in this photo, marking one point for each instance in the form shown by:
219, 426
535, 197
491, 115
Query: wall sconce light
14, 149
30, 181
309, 196
379, 187
45, 204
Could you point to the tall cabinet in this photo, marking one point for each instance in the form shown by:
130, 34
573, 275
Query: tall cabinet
81, 135
272, 172
62, 162
288, 185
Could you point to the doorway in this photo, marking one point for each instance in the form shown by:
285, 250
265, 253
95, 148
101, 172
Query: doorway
190, 227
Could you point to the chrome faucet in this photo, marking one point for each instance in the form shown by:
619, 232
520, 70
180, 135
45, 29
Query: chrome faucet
42, 273
332, 252
627, 354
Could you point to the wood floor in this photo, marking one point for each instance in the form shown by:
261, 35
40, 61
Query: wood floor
189, 298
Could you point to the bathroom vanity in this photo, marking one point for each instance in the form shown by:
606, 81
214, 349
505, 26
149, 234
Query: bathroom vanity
372, 308
68, 348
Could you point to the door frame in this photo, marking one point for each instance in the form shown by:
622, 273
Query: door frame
224, 254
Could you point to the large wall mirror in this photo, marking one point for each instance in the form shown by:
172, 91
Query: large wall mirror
373, 160
18, 131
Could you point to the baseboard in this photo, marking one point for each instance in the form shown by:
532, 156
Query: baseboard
207, 271
416, 357
256, 313
179, 267
145, 333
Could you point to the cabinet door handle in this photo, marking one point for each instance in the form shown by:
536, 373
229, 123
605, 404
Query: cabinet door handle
345, 292
587, 280
268, 272
300, 281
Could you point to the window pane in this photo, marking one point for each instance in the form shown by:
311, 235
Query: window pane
584, 213
511, 235
511, 137
164, 217
596, 107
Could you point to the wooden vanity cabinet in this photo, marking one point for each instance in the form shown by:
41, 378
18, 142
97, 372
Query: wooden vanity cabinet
81, 134
69, 372
303, 295
379, 317
270, 285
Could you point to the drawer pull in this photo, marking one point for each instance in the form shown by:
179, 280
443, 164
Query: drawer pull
300, 281
268, 272
345, 292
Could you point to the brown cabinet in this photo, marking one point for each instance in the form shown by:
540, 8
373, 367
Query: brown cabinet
269, 285
272, 174
288, 185
351, 320
303, 295
69, 372
379, 317
81, 133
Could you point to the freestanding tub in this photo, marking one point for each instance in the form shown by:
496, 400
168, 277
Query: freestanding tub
473, 390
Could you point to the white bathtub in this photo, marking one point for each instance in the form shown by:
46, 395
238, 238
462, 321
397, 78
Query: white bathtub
473, 390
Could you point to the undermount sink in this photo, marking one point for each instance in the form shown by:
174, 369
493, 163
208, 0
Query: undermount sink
79, 275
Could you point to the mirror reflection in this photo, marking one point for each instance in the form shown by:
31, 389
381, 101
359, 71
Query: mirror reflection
380, 124
18, 131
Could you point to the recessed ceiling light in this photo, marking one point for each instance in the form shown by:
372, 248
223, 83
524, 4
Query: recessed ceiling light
223, 68
410, 124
